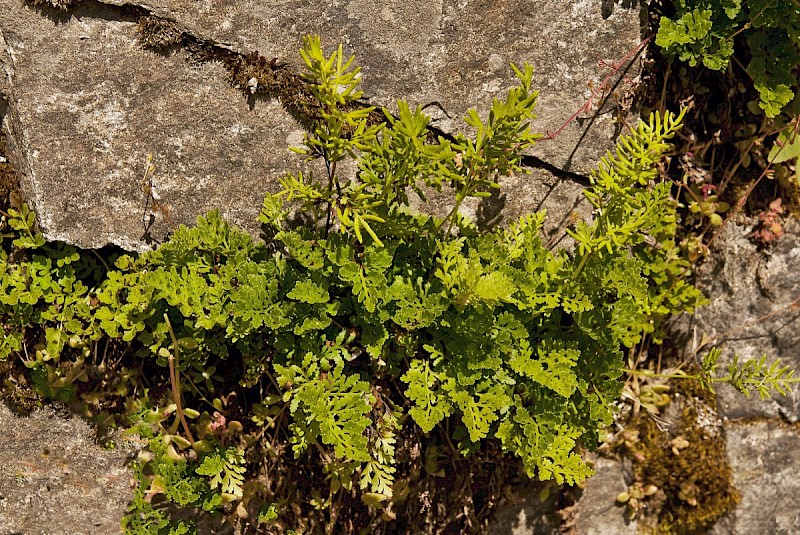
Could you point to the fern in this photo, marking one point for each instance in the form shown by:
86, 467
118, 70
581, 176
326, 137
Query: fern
378, 473
226, 471
748, 376
330, 406
369, 322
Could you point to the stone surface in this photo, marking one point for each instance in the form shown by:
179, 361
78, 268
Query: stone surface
86, 103
530, 509
765, 456
453, 53
754, 311
55, 480
597, 512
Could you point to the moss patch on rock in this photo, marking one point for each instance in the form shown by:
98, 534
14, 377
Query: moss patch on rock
687, 462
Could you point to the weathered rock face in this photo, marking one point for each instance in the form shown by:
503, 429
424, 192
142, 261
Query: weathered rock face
455, 54
86, 103
54, 479
597, 512
531, 509
754, 311
764, 456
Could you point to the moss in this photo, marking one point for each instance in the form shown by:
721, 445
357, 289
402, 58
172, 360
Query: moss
9, 185
254, 74
158, 33
688, 463
58, 4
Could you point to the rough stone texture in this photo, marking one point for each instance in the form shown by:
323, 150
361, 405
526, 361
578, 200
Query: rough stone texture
454, 53
531, 509
597, 511
87, 104
754, 311
55, 480
765, 456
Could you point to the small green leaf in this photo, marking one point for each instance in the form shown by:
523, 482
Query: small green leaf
787, 147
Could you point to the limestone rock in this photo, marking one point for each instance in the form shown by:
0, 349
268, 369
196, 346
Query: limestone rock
765, 456
530, 509
87, 106
450, 55
597, 511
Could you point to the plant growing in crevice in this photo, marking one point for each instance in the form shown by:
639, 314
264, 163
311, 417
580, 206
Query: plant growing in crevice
747, 376
705, 31
372, 339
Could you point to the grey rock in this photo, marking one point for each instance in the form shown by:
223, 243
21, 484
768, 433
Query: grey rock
455, 54
530, 509
55, 480
597, 512
86, 103
765, 456
754, 311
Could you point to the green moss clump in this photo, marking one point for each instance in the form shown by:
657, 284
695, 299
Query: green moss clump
688, 463
58, 4
158, 33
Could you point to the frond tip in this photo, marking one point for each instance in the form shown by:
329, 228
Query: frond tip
750, 375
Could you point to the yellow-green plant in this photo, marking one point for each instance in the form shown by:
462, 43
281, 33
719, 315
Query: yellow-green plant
360, 321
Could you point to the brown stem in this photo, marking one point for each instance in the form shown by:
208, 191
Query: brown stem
173, 377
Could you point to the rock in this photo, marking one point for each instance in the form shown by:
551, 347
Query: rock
753, 312
86, 104
531, 509
597, 512
449, 55
765, 456
55, 480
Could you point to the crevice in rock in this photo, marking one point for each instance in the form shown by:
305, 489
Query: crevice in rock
9, 180
61, 11
561, 174
620, 76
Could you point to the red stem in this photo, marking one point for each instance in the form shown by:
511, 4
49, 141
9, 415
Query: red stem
603, 85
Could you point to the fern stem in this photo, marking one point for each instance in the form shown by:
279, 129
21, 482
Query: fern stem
645, 373
322, 452
173, 377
